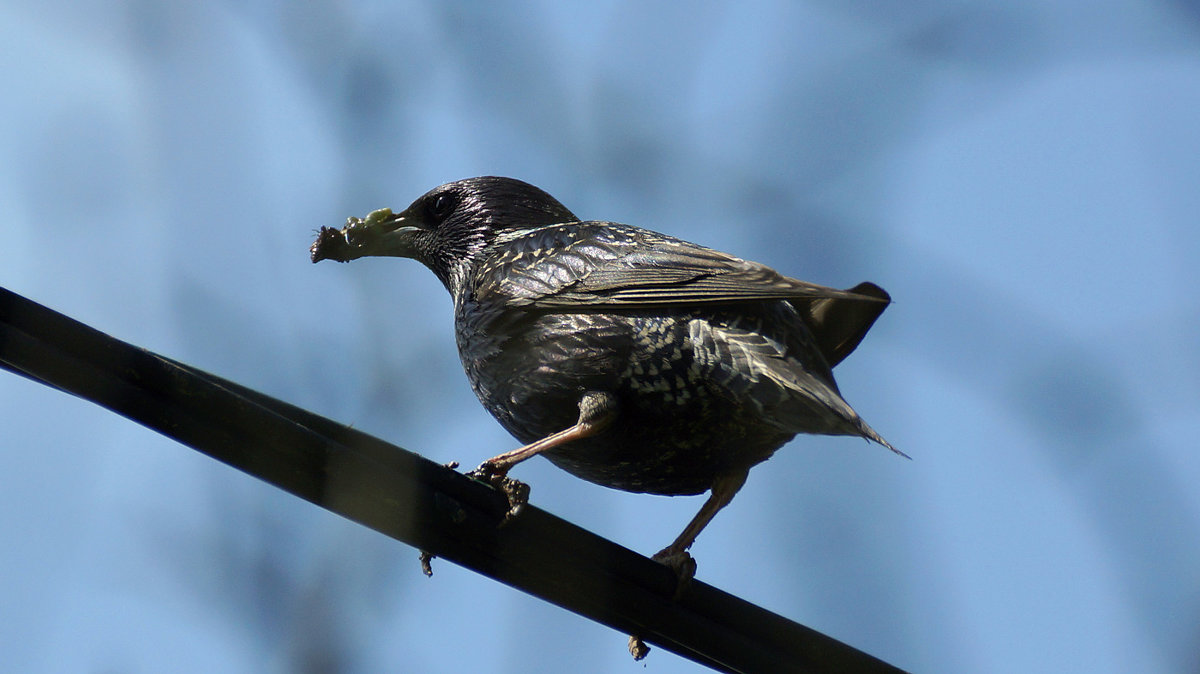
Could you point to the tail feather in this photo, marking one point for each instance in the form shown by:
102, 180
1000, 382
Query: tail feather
869, 433
839, 324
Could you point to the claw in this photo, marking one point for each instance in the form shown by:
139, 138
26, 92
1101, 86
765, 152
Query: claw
684, 566
428, 557
682, 563
515, 491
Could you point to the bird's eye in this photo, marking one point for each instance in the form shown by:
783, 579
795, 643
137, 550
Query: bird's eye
440, 206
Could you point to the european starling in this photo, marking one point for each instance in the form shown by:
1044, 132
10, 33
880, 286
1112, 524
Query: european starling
629, 358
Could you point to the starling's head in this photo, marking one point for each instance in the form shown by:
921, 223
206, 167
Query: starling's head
446, 228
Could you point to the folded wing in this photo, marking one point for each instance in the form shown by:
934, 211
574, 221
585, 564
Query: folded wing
603, 264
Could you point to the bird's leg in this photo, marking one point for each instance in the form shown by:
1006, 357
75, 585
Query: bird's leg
676, 554
596, 412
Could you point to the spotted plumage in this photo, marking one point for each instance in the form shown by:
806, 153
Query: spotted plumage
629, 358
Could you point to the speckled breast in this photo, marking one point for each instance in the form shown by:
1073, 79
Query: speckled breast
678, 427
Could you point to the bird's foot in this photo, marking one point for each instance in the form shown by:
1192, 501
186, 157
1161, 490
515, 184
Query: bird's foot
682, 563
426, 556
515, 491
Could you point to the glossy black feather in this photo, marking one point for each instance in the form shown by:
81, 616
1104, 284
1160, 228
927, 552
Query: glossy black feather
714, 362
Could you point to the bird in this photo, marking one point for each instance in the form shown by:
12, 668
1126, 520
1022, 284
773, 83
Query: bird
629, 358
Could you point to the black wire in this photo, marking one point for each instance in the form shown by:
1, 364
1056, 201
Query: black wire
411, 499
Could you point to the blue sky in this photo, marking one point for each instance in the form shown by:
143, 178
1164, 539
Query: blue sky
1022, 180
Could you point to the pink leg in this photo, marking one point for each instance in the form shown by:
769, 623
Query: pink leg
676, 555
723, 490
596, 411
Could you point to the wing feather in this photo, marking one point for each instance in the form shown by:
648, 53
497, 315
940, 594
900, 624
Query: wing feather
635, 268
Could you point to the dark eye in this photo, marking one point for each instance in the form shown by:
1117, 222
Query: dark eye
440, 206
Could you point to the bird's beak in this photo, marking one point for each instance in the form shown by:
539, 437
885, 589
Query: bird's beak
381, 233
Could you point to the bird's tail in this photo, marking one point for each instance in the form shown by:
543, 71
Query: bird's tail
869, 433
